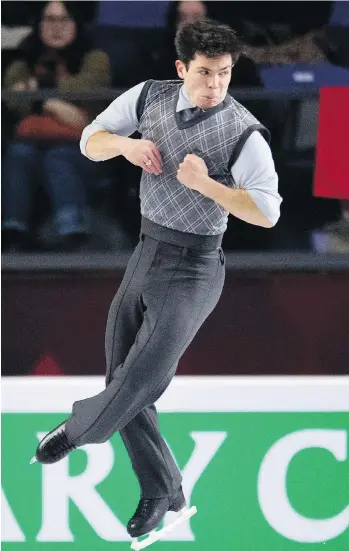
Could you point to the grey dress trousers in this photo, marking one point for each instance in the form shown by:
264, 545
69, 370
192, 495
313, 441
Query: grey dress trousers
172, 283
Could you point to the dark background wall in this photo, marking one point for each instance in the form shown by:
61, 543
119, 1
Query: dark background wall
266, 323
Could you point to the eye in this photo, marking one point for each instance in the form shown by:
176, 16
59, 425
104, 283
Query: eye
224, 73
203, 72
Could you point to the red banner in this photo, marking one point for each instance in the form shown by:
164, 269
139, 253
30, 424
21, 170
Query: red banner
332, 151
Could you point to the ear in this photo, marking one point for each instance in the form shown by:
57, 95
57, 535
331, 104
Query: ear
181, 69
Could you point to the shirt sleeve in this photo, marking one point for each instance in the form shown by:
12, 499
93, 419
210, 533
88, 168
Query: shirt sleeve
254, 171
120, 117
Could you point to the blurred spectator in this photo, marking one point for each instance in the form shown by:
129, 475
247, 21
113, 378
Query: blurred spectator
58, 54
326, 44
245, 72
189, 12
329, 42
336, 43
336, 234
22, 12
303, 49
270, 22
163, 57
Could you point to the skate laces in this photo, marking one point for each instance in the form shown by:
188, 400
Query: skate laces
143, 508
60, 442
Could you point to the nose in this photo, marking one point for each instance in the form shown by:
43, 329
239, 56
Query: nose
213, 83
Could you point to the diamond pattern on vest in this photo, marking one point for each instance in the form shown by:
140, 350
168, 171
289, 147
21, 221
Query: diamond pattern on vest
166, 201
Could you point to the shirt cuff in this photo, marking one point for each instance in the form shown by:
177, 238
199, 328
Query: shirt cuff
86, 134
268, 204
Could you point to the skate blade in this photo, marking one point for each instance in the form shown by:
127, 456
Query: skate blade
156, 535
33, 460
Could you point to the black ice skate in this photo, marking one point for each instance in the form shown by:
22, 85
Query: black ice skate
149, 514
53, 447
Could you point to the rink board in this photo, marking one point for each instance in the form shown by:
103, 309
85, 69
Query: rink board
265, 460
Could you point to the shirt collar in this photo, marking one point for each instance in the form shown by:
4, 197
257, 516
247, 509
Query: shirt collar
183, 100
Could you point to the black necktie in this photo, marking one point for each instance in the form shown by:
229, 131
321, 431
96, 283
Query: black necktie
191, 113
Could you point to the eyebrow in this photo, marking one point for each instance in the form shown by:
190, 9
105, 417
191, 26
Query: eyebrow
223, 68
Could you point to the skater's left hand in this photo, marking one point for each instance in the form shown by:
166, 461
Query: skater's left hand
192, 171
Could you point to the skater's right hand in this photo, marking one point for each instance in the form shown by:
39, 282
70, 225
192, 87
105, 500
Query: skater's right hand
143, 153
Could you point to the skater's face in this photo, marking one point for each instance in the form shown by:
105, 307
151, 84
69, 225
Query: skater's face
206, 80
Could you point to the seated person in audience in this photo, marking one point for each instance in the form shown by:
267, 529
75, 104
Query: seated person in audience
302, 49
338, 232
59, 55
326, 42
269, 22
163, 57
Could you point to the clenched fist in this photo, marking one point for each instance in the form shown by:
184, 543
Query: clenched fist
191, 171
145, 154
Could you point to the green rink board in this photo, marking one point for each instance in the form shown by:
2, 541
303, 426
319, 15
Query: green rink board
261, 481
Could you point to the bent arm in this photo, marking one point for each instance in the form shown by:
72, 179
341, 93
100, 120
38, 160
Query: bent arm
254, 172
103, 145
104, 138
256, 199
237, 202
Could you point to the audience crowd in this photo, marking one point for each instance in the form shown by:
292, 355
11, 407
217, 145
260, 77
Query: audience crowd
55, 199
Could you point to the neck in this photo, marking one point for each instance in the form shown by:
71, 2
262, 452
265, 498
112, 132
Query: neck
187, 95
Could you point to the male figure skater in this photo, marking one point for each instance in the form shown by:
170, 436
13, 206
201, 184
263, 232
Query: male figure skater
203, 156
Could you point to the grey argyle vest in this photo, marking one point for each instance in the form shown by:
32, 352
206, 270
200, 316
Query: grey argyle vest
216, 135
